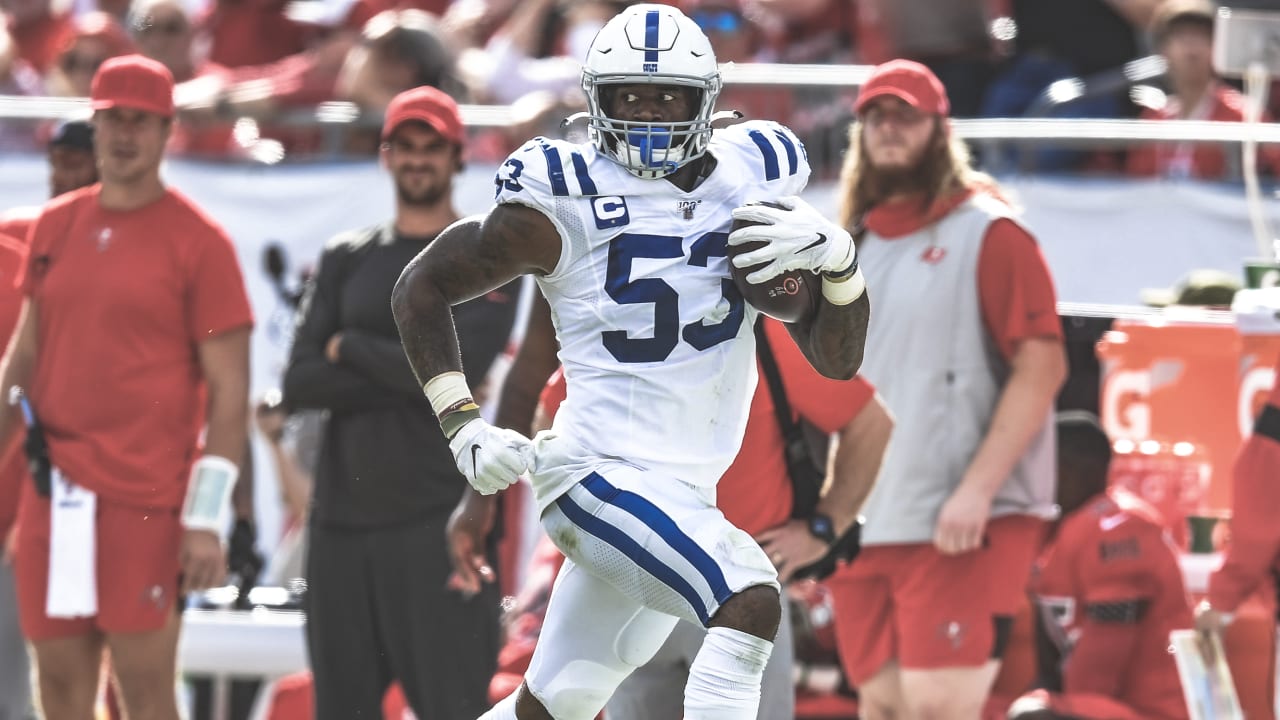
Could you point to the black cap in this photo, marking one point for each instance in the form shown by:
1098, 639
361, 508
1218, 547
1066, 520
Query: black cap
74, 134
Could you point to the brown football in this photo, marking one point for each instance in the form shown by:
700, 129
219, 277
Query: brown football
788, 297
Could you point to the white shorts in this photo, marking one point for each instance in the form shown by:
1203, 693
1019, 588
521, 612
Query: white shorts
661, 542
643, 549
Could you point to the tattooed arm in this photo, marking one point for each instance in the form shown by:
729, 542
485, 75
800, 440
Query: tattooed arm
467, 260
834, 337
794, 235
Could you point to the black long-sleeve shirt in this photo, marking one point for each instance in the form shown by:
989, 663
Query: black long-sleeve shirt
383, 460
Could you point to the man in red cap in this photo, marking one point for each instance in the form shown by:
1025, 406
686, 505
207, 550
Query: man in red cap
133, 341
378, 609
966, 349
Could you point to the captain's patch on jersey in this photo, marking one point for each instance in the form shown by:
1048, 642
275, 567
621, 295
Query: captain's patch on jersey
610, 212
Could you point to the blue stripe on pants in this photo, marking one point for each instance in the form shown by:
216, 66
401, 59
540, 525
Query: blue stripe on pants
666, 528
627, 545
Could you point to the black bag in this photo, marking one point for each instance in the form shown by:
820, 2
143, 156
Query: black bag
34, 446
37, 451
806, 449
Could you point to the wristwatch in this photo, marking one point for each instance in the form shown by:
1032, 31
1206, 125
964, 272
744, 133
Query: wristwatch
821, 527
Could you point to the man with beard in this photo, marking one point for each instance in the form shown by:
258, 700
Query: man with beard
378, 609
966, 350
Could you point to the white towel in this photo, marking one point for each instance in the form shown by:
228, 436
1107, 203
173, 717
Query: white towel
73, 551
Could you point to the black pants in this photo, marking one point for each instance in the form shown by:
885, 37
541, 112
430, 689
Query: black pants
378, 610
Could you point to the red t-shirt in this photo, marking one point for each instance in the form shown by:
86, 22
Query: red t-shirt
1206, 161
1014, 286
755, 492
124, 300
41, 41
254, 32
1254, 552
13, 254
213, 138
553, 393
1112, 557
17, 223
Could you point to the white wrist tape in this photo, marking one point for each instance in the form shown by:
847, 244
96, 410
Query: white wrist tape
208, 503
844, 291
447, 391
450, 398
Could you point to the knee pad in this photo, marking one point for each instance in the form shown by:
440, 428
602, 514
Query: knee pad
573, 677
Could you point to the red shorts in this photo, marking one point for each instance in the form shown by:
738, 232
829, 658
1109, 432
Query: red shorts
1085, 706
137, 569
927, 610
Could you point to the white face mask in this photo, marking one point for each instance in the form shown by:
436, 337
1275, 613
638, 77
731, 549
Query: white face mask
578, 40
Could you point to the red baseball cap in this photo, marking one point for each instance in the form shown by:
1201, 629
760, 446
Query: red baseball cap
429, 105
133, 81
910, 82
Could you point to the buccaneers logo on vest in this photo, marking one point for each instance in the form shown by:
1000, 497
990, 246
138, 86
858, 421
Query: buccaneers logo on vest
933, 254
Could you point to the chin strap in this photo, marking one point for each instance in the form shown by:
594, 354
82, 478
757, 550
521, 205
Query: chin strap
574, 118
725, 115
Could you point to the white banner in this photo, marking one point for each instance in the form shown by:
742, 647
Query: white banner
1105, 240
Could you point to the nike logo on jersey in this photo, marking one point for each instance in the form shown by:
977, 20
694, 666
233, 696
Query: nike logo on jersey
1111, 522
605, 51
474, 450
821, 239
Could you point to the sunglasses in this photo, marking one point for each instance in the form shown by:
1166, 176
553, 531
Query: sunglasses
72, 62
721, 21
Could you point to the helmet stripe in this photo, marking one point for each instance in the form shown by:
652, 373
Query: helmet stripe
651, 36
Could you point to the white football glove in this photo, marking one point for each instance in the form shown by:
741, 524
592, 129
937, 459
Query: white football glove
798, 236
491, 458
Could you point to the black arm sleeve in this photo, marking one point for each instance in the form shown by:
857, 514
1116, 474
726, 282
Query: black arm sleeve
310, 380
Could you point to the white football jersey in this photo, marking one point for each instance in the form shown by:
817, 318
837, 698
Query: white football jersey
656, 341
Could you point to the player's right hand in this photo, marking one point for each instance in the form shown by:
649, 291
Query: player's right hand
796, 237
490, 458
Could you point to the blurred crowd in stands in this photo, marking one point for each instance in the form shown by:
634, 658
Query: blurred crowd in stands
251, 73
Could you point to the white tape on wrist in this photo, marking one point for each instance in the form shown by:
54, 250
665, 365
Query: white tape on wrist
447, 392
845, 291
208, 503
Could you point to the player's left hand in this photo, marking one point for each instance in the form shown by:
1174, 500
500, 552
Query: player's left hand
796, 237
962, 521
791, 546
203, 561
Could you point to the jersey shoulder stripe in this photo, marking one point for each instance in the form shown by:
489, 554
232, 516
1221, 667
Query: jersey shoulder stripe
546, 168
770, 149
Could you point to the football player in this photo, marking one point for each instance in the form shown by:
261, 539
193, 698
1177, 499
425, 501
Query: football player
627, 238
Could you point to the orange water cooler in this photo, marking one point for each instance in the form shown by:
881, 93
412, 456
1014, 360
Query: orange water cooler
1179, 392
